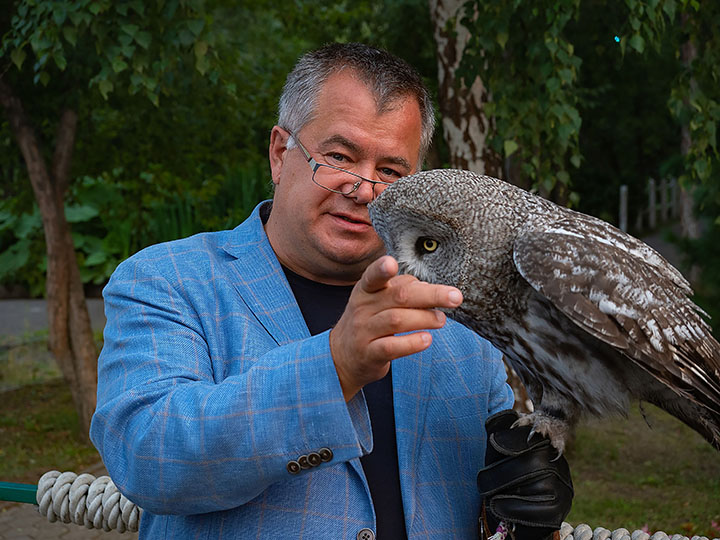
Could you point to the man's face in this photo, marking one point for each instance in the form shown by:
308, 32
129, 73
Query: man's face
327, 236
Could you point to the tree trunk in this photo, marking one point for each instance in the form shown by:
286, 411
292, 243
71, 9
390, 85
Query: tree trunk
465, 125
71, 340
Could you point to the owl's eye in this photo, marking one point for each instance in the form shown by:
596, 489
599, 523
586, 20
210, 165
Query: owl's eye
426, 245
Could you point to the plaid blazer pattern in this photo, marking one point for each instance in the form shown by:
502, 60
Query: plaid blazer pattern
209, 384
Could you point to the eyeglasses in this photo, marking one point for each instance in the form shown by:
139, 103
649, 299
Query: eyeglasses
342, 181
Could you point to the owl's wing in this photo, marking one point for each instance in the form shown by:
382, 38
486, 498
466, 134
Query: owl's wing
624, 293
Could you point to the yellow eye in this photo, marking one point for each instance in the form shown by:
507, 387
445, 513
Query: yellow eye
427, 245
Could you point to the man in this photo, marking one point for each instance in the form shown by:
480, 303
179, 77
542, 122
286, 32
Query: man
281, 380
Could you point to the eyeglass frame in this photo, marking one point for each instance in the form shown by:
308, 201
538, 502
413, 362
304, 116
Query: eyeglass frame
315, 166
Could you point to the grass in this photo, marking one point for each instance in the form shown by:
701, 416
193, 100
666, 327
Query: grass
664, 477
26, 360
625, 473
39, 432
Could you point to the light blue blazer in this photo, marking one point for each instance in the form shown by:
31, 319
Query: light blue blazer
211, 389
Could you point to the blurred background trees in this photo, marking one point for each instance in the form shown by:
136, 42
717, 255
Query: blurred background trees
152, 120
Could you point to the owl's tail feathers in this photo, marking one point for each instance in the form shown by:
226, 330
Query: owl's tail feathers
704, 421
711, 423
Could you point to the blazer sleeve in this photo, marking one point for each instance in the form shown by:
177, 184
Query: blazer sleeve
501, 396
177, 441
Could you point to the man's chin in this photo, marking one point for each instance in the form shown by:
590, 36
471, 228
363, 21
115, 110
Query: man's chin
354, 261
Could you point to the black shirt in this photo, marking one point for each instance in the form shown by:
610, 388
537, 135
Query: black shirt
322, 305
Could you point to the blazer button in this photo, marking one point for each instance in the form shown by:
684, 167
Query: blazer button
365, 534
325, 454
293, 467
314, 459
303, 461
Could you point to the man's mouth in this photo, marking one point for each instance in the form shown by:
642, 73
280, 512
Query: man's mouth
351, 220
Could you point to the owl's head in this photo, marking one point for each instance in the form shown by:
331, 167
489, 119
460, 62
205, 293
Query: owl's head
423, 220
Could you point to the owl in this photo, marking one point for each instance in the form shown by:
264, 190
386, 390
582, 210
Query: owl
588, 316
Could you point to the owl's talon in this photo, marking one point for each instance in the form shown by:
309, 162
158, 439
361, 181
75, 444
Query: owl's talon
530, 435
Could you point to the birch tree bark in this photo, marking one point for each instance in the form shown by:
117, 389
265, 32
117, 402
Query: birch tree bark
465, 125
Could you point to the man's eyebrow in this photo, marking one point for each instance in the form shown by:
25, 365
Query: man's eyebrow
350, 145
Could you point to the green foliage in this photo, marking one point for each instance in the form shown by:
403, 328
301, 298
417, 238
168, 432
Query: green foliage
125, 44
190, 158
112, 216
521, 53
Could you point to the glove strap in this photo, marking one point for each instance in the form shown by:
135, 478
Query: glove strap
486, 533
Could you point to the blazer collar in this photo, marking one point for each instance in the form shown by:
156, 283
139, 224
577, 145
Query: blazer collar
260, 280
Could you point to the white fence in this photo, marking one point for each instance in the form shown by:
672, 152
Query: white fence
663, 204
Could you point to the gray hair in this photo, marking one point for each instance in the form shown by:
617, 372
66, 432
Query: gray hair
388, 77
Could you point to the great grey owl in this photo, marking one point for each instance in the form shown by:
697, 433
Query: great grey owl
589, 317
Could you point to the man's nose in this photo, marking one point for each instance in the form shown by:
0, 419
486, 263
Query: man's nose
364, 194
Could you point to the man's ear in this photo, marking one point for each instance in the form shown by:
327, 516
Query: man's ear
277, 152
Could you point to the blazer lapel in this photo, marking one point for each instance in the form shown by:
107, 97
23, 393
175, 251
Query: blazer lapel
261, 283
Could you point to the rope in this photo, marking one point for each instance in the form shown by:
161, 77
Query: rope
85, 500
97, 504
584, 532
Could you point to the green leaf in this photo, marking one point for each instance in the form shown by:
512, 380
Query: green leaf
59, 16
105, 87
502, 38
575, 160
566, 75
138, 6
28, 224
510, 146
201, 48
118, 65
186, 38
70, 34
14, 258
637, 42
80, 213
196, 26
553, 84
130, 29
143, 39
669, 8
702, 169
18, 57
60, 61
97, 257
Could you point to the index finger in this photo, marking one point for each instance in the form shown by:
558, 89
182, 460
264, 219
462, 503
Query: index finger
377, 275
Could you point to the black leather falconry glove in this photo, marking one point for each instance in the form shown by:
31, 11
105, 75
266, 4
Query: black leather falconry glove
524, 484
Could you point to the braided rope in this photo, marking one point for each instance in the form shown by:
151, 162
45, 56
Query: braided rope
85, 500
97, 504
584, 532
